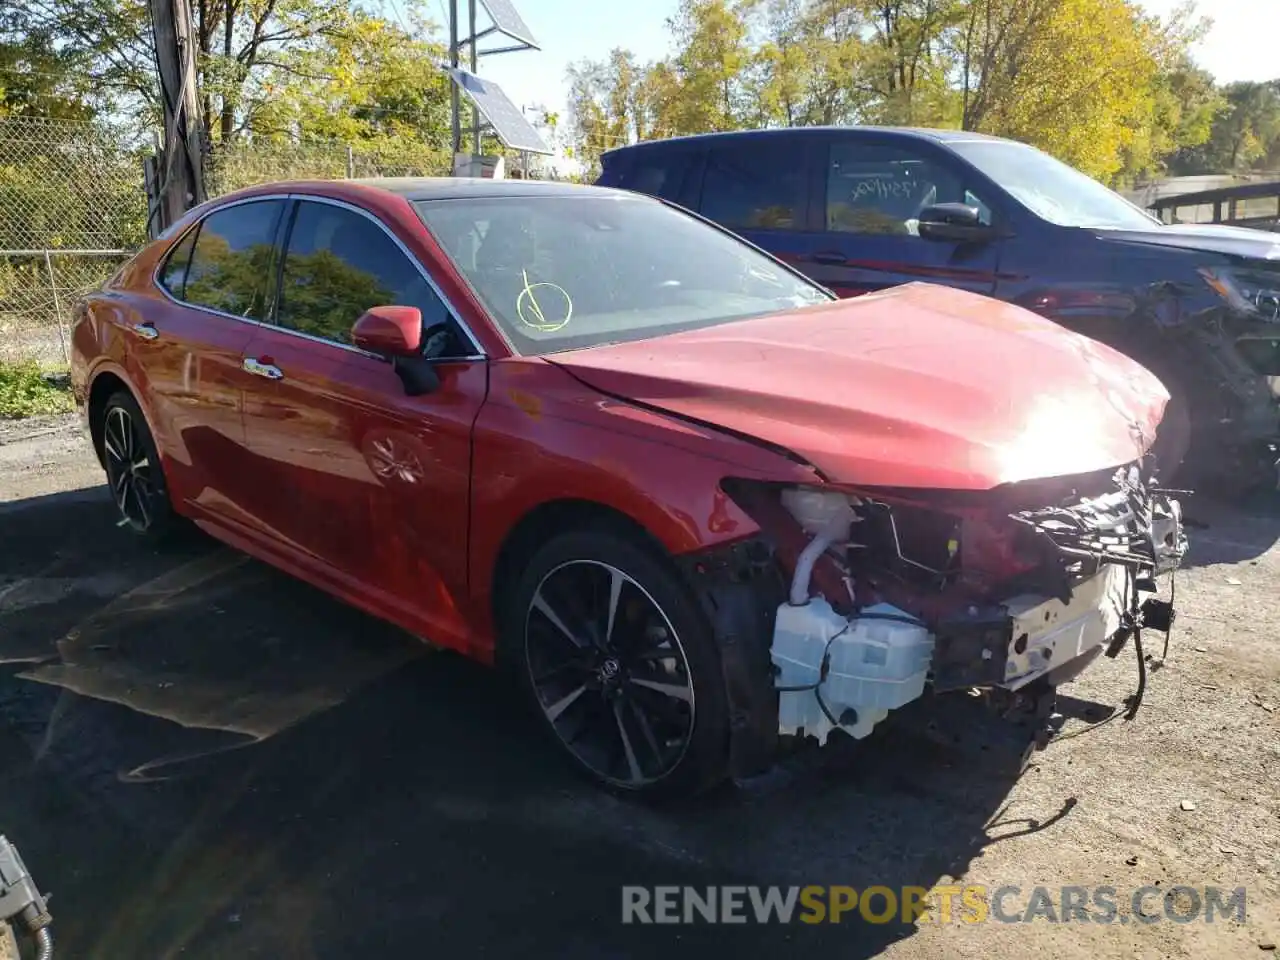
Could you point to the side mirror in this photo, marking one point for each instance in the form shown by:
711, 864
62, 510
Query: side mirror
955, 222
389, 331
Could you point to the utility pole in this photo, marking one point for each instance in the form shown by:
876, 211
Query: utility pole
475, 65
455, 101
181, 175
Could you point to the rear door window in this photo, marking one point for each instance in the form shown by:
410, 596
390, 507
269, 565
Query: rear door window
231, 263
755, 185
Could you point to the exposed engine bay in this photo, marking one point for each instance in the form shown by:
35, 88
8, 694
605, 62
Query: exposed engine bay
873, 595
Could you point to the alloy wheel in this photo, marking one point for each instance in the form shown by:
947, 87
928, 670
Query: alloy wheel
609, 673
129, 469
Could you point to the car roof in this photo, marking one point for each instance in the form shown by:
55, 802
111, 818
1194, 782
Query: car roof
905, 133
436, 188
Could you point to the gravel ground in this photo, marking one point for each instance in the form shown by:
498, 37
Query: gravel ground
204, 758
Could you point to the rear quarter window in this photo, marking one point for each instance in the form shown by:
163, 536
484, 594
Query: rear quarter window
173, 276
655, 173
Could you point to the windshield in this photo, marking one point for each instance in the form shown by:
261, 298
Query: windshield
1050, 188
562, 272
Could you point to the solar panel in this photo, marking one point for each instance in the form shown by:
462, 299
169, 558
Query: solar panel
508, 22
507, 121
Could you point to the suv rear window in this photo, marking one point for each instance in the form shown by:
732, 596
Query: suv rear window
658, 174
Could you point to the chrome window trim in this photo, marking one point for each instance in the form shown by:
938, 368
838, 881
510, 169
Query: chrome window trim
478, 353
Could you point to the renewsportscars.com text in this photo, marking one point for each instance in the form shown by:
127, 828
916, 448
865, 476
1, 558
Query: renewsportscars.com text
970, 904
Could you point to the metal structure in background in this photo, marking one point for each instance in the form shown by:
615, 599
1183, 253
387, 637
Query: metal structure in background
1254, 205
503, 116
486, 97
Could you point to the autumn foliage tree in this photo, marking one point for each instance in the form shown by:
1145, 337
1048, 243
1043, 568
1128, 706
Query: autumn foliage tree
265, 69
1098, 83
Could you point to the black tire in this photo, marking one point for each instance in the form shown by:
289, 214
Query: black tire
1195, 452
135, 477
660, 640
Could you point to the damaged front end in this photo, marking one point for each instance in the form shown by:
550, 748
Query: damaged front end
851, 602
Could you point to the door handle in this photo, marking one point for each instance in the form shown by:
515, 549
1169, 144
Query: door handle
259, 369
828, 256
146, 331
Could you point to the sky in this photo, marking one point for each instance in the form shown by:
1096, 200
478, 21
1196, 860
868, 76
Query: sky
1238, 47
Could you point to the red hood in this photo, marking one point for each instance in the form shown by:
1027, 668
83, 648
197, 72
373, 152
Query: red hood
918, 386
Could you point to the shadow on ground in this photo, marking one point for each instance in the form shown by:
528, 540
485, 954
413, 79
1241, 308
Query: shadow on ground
1224, 532
203, 757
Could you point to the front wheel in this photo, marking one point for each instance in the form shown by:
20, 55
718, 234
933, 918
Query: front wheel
619, 661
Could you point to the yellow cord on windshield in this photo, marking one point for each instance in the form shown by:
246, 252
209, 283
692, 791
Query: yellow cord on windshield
526, 301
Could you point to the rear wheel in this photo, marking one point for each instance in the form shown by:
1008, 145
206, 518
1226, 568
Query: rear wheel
619, 661
133, 468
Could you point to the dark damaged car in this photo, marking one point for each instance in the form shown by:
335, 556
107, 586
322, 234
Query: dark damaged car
860, 209
696, 503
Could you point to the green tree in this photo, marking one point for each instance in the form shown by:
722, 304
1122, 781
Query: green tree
712, 54
39, 77
1098, 83
1073, 77
1246, 132
910, 72
1183, 107
811, 66
373, 80
297, 68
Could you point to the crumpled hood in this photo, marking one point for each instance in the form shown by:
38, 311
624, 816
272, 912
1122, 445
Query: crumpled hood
918, 386
1210, 237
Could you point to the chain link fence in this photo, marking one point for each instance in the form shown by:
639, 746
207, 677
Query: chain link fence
243, 164
73, 208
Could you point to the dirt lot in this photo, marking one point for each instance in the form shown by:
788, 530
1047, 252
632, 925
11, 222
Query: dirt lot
204, 758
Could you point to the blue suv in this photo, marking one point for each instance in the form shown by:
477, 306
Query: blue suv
863, 208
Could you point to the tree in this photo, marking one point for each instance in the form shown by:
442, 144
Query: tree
261, 63
1073, 77
712, 54
595, 128
373, 80
1247, 130
109, 44
1184, 104
811, 66
615, 101
38, 76
909, 73
1098, 83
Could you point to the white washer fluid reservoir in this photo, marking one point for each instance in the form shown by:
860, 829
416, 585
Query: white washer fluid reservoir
876, 661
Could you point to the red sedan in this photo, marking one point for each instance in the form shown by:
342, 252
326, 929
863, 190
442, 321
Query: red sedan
698, 504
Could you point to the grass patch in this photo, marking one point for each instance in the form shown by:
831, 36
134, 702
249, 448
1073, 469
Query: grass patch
27, 391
